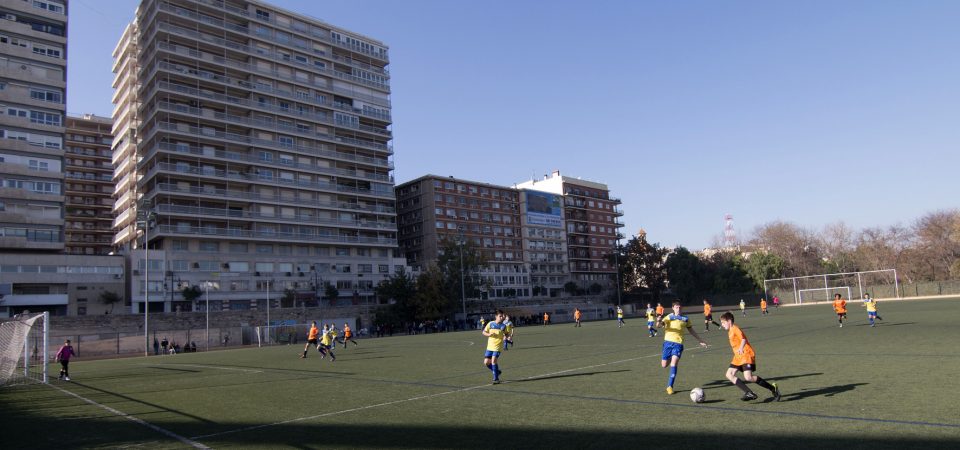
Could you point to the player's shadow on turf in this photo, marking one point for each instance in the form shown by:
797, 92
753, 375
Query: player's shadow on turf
884, 324
724, 383
829, 391
551, 377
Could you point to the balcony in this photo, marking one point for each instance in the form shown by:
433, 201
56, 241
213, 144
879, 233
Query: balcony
279, 163
253, 196
196, 132
228, 175
272, 218
313, 32
172, 230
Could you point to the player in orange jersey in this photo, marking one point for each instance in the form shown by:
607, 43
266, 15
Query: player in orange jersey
708, 316
745, 360
311, 338
763, 307
348, 336
576, 317
840, 306
659, 311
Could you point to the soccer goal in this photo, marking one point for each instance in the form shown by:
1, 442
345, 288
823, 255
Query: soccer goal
880, 284
822, 294
24, 349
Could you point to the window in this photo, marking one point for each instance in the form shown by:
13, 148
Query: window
46, 96
180, 245
343, 251
263, 15
209, 246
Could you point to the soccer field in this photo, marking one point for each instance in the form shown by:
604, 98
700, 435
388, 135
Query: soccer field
893, 386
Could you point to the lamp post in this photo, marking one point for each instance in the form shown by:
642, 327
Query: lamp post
145, 221
268, 310
206, 286
463, 288
616, 258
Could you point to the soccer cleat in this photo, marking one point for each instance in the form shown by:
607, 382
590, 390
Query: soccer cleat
66, 378
496, 381
776, 392
841, 325
748, 396
669, 390
303, 356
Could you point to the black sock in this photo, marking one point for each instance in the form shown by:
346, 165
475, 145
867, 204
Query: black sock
743, 387
717, 324
763, 383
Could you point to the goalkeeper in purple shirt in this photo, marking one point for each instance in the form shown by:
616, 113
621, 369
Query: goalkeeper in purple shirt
63, 356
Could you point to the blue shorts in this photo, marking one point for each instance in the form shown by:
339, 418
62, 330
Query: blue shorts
650, 323
671, 349
871, 314
491, 354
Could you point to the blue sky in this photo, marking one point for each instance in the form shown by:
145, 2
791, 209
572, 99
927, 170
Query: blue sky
810, 112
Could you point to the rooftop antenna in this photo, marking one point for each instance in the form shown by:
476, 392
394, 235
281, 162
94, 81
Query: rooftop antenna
729, 234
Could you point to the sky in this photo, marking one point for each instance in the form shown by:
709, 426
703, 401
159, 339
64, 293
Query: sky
810, 112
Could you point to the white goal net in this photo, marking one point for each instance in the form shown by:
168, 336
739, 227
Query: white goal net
880, 284
24, 349
823, 294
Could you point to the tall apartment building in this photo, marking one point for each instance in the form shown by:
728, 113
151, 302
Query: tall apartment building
33, 67
89, 186
591, 220
252, 146
433, 208
544, 242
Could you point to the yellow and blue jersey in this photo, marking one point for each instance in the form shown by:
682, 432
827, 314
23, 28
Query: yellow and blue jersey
871, 305
325, 339
674, 326
508, 327
619, 313
651, 315
497, 332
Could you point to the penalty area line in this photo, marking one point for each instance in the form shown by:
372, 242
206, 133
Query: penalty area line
133, 419
202, 366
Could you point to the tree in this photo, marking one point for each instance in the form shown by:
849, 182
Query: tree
687, 275
595, 288
448, 262
641, 265
331, 293
191, 293
837, 242
571, 287
400, 290
431, 300
763, 266
110, 299
936, 248
797, 247
289, 297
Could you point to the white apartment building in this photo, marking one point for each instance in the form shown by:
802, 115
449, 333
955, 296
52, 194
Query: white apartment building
252, 154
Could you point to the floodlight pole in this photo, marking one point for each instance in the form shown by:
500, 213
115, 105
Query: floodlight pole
206, 286
268, 310
146, 221
616, 258
463, 288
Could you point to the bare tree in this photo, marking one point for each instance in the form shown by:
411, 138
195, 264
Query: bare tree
935, 243
838, 243
796, 246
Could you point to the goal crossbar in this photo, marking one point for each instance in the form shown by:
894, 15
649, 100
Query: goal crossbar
858, 281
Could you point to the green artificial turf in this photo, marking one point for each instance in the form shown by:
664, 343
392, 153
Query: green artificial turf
592, 387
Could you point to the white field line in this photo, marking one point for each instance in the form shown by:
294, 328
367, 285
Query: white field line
204, 367
419, 397
136, 420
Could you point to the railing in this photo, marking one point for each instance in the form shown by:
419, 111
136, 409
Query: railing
193, 150
196, 131
244, 195
319, 34
222, 174
246, 49
269, 234
299, 218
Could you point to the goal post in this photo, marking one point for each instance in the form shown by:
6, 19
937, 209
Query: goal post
24, 349
880, 284
822, 294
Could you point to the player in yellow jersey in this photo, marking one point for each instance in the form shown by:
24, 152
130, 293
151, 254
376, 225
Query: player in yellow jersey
872, 312
745, 360
495, 333
311, 338
325, 344
674, 325
620, 322
508, 332
651, 321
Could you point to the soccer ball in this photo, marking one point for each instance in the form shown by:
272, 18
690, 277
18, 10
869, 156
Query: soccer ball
696, 394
